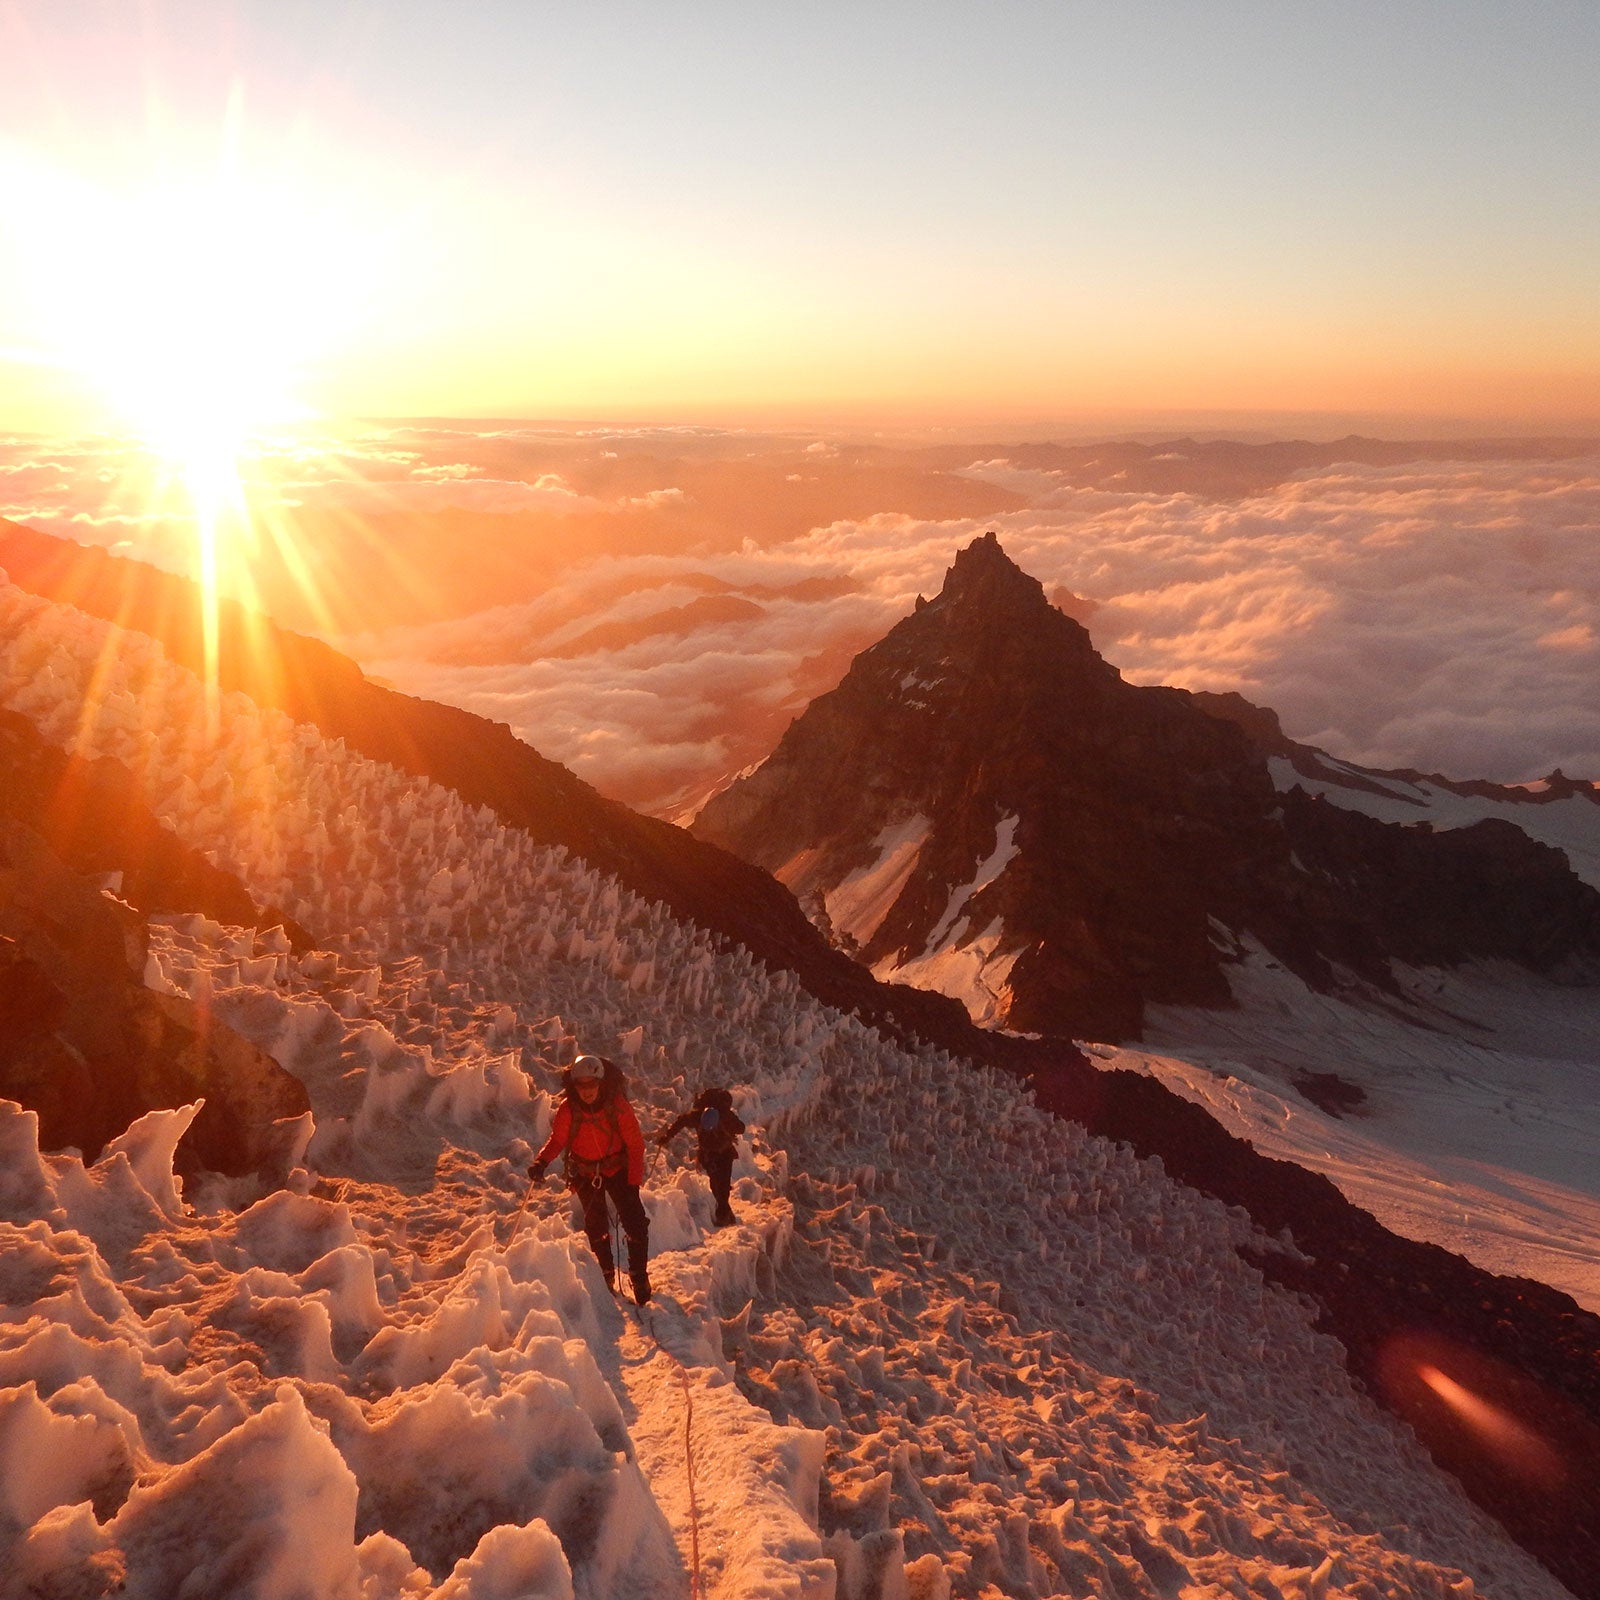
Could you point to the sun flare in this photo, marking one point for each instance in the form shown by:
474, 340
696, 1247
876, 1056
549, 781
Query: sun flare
198, 343
195, 305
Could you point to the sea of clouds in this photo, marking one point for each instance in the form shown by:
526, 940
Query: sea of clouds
1440, 615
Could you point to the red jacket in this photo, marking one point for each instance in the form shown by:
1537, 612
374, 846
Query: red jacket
609, 1128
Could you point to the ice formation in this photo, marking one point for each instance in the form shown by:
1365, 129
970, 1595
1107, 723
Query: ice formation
953, 1348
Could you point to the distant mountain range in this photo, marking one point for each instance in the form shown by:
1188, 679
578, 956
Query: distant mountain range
984, 807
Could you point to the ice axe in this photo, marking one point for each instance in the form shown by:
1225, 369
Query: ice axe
516, 1221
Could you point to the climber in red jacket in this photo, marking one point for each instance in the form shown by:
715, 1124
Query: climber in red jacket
598, 1132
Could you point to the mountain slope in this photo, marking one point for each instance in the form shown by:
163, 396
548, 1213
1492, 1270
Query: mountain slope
1033, 1364
480, 760
984, 807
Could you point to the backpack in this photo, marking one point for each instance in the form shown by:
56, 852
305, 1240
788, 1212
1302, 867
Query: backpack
713, 1127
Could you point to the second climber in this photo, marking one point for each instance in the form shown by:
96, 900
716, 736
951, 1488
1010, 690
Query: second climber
717, 1127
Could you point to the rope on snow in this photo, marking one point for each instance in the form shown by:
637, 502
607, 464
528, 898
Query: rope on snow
688, 1457
695, 1590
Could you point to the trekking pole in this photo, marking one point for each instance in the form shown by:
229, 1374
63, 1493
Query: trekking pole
516, 1221
616, 1236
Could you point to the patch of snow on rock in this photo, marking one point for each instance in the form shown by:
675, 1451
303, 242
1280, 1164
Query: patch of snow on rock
973, 971
858, 903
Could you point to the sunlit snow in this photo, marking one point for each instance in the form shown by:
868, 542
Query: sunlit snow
971, 967
1478, 1131
859, 902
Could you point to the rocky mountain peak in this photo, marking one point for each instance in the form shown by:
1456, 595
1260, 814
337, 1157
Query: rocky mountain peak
985, 808
922, 802
984, 575
990, 637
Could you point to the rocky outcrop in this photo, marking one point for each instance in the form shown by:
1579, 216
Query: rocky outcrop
1441, 898
89, 1048
1134, 818
985, 806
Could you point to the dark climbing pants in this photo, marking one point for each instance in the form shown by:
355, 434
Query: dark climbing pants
597, 1222
718, 1167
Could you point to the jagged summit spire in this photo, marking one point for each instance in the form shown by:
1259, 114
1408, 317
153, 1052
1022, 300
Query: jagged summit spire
983, 572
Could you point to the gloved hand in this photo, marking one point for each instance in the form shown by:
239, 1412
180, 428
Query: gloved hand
537, 1171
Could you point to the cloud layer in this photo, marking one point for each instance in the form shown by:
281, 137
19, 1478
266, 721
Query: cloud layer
1442, 617
1439, 615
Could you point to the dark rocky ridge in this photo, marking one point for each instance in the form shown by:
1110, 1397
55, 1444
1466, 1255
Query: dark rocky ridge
1147, 818
1370, 1286
1443, 898
1261, 726
89, 1048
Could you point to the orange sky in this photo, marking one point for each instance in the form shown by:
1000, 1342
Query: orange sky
1010, 213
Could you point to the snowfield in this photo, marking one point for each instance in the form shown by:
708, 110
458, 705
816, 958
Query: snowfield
1478, 1131
953, 1346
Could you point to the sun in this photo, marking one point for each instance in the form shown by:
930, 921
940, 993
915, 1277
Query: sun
197, 336
194, 336
191, 306
200, 355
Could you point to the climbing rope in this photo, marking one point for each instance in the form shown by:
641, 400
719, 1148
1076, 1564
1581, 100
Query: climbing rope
616, 1236
695, 1590
516, 1221
614, 1220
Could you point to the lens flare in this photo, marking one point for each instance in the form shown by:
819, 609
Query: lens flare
1477, 1413
193, 305
1518, 1448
